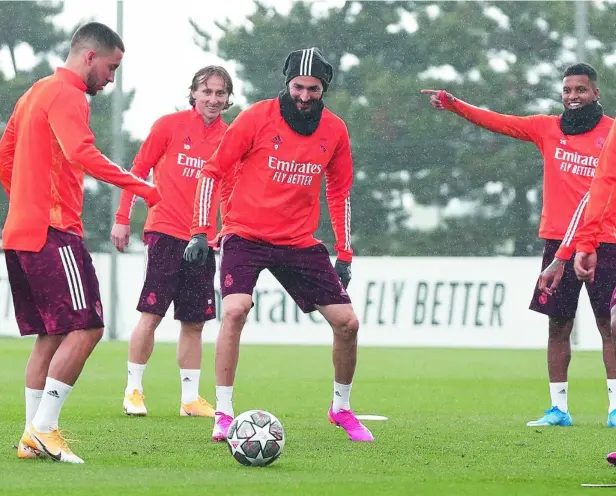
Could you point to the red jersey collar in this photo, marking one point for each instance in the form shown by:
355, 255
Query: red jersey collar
71, 78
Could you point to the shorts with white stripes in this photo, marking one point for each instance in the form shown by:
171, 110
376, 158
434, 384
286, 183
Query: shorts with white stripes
307, 274
55, 290
564, 302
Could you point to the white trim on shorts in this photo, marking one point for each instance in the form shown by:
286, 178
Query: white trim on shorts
73, 277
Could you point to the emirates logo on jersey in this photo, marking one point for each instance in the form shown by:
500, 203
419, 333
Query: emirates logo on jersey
292, 172
187, 143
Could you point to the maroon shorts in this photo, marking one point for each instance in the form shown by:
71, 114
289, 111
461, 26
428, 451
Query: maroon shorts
307, 274
55, 290
563, 303
169, 278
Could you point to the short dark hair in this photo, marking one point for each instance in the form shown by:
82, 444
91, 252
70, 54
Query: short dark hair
581, 69
206, 73
103, 36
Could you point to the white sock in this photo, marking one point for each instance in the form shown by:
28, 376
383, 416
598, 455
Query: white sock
135, 375
342, 397
190, 385
611, 394
224, 400
47, 415
558, 394
33, 400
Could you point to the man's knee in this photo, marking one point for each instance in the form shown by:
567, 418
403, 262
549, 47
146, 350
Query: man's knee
235, 309
560, 327
346, 325
89, 336
149, 321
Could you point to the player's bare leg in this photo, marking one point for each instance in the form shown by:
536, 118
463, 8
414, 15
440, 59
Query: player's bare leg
608, 335
345, 326
190, 351
36, 373
64, 370
609, 359
235, 312
141, 344
559, 357
559, 349
140, 348
38, 364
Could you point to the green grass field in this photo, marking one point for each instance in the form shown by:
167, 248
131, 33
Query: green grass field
456, 426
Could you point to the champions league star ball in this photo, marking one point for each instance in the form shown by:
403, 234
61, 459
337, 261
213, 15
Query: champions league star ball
256, 438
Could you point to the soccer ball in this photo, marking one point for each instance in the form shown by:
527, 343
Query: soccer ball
256, 438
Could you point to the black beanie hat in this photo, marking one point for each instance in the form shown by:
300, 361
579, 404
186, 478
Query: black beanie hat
308, 62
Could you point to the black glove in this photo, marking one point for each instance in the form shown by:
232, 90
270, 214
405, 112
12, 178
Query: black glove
196, 251
343, 269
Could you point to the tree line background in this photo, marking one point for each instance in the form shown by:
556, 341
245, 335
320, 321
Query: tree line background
482, 190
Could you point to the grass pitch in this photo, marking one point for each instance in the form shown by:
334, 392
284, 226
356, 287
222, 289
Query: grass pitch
456, 426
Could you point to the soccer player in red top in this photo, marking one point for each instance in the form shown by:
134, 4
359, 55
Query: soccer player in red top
45, 152
570, 144
285, 145
175, 149
601, 205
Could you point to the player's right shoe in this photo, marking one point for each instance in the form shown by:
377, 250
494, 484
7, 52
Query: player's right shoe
553, 417
134, 404
348, 421
27, 449
53, 445
611, 458
611, 419
222, 422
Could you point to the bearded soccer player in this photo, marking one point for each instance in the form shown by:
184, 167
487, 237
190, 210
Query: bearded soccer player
176, 149
45, 151
286, 145
570, 144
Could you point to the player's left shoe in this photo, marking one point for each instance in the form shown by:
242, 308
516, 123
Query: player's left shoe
222, 423
611, 458
198, 408
611, 419
348, 421
553, 417
27, 449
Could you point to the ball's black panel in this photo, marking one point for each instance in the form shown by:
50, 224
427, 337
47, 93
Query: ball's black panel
245, 430
242, 459
251, 448
276, 430
272, 448
261, 419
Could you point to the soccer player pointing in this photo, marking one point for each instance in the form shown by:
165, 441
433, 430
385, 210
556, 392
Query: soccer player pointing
570, 144
286, 145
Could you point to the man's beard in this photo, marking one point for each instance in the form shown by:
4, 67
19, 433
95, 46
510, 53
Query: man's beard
304, 122
91, 84
581, 120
